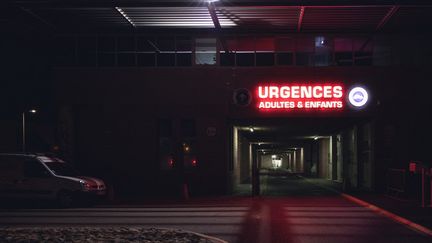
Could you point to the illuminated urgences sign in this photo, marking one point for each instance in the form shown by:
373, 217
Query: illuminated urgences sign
300, 97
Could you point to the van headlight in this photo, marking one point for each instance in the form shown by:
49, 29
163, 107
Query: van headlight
85, 186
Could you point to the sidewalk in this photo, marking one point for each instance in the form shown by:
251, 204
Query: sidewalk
410, 210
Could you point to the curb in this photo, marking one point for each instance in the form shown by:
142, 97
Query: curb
406, 222
210, 238
398, 219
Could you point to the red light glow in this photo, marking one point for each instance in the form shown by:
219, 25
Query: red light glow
171, 163
194, 162
300, 97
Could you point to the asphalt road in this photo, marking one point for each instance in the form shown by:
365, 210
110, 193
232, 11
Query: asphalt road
292, 210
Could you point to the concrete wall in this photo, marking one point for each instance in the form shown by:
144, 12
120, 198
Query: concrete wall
11, 135
324, 158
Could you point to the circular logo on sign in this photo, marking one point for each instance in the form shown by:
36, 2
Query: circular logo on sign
358, 96
242, 97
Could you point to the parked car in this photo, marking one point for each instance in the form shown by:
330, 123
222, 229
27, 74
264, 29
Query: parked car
34, 176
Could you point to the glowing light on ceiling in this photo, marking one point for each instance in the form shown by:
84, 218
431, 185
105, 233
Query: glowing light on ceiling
358, 96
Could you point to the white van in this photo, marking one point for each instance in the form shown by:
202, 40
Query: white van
33, 176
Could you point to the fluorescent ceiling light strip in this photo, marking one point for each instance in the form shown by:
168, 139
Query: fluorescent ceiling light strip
125, 16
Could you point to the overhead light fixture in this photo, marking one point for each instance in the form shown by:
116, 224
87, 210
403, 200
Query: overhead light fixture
259, 144
315, 138
33, 111
251, 129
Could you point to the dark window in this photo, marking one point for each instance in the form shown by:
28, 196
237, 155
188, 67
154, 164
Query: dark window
264, 59
126, 59
126, 43
10, 166
87, 51
166, 44
146, 44
363, 58
227, 59
184, 44
106, 59
165, 128
184, 59
64, 51
303, 59
305, 47
245, 59
363, 51
106, 44
188, 128
146, 59
343, 58
184, 51
166, 59
343, 48
62, 169
285, 58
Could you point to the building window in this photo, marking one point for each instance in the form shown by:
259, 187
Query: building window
64, 51
323, 51
227, 59
284, 58
264, 59
363, 51
245, 59
166, 51
205, 51
183, 51
382, 52
146, 51
304, 51
188, 128
284, 51
106, 51
343, 51
86, 51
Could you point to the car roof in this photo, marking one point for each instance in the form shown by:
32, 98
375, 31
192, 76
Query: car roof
18, 154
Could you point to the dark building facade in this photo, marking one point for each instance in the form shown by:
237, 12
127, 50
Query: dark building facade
151, 107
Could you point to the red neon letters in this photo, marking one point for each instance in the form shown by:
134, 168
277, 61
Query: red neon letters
289, 97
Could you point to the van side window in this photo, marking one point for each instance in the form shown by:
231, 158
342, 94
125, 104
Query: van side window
10, 167
33, 168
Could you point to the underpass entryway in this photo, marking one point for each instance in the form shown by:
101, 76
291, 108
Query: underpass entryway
270, 157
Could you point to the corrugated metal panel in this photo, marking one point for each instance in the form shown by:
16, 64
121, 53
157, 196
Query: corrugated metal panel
265, 18
262, 16
352, 18
190, 17
84, 17
411, 18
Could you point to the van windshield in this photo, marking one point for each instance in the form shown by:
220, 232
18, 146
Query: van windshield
62, 169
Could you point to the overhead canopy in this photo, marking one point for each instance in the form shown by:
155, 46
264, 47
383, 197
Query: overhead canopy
297, 16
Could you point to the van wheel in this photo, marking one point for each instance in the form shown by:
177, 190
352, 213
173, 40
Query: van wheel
64, 199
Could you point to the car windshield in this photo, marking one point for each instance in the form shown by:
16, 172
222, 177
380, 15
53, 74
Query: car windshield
62, 169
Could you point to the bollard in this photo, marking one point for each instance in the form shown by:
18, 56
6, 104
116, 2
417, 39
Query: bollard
423, 186
185, 191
